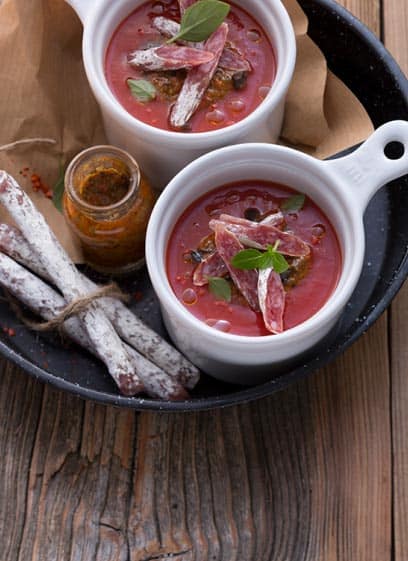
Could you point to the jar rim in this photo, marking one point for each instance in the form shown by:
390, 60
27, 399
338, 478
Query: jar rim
103, 150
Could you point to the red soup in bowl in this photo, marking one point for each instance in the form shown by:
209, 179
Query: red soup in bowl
253, 258
242, 69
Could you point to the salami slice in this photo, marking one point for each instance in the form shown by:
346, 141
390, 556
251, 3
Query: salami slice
166, 26
260, 235
211, 266
246, 281
275, 219
231, 59
198, 79
271, 297
169, 57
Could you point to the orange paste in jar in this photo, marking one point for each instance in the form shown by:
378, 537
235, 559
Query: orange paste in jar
108, 204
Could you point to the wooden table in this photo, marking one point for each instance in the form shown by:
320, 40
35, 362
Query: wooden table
318, 472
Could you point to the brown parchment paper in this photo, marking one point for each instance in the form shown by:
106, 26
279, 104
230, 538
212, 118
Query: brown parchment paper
44, 94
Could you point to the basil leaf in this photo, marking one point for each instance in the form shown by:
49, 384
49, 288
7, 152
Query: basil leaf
142, 90
279, 263
58, 191
220, 288
247, 259
266, 261
200, 20
254, 259
294, 203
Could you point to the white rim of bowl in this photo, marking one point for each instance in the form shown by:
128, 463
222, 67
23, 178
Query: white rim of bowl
328, 312
106, 97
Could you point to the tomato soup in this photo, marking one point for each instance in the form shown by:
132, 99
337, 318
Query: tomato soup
225, 102
306, 291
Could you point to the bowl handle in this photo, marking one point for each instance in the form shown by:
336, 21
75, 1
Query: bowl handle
368, 168
81, 7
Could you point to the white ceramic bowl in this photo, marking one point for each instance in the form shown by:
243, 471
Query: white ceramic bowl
342, 188
161, 154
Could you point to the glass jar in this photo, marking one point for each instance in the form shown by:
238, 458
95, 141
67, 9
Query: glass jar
107, 203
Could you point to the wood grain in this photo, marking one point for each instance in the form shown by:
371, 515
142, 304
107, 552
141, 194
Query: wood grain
301, 475
313, 473
395, 24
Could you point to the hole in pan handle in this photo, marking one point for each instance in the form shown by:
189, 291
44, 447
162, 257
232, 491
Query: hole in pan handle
380, 159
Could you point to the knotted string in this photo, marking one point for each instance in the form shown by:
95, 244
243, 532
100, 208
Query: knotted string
74, 308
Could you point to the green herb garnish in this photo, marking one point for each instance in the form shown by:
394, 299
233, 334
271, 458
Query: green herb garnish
294, 203
200, 20
142, 90
220, 288
58, 191
255, 259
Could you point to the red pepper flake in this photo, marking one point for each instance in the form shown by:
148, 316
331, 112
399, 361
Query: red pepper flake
39, 185
138, 296
9, 330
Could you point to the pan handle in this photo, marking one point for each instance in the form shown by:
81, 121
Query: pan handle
380, 159
81, 7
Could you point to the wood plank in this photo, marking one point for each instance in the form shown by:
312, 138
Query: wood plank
399, 340
302, 475
396, 40
368, 11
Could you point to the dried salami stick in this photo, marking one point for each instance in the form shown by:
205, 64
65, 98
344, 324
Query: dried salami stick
198, 79
169, 57
67, 278
129, 326
46, 302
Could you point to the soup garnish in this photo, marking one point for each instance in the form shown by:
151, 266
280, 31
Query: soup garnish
165, 75
258, 276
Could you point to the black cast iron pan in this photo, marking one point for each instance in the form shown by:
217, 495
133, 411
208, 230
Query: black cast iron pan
361, 61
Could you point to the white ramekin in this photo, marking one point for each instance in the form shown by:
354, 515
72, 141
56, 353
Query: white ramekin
342, 188
161, 154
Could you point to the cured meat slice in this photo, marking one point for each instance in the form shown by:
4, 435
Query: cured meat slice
166, 26
211, 266
275, 219
198, 79
231, 59
271, 297
259, 235
169, 57
246, 281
